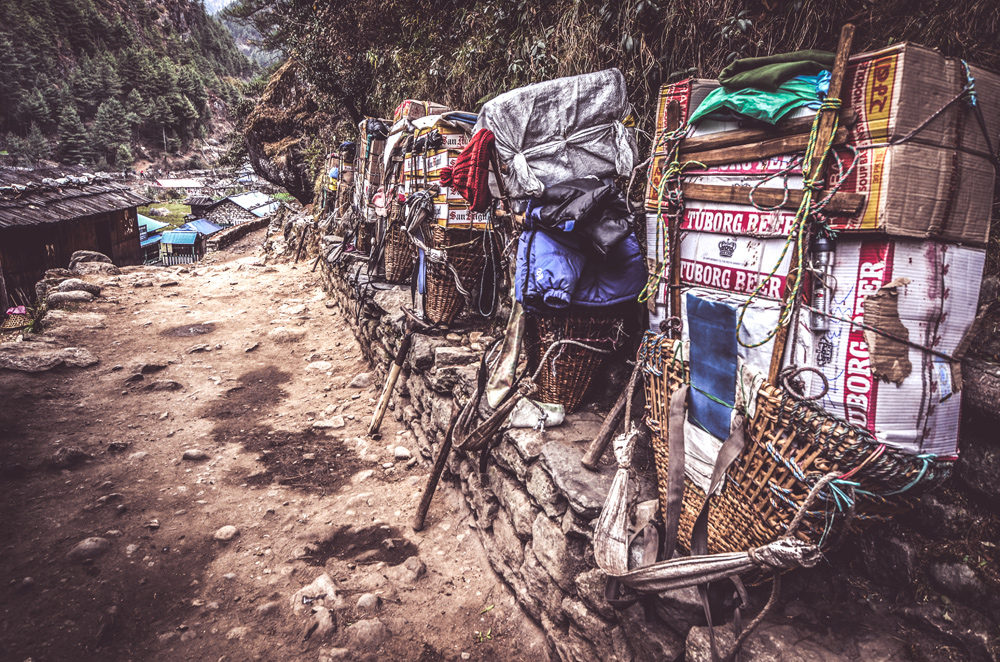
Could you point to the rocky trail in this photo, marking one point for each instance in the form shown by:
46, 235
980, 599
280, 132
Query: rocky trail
206, 491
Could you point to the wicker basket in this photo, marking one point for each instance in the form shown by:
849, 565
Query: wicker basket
363, 241
15, 322
790, 445
400, 252
570, 370
464, 247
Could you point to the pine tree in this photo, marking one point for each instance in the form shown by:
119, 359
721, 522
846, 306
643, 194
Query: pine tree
111, 129
74, 145
37, 146
33, 109
28, 151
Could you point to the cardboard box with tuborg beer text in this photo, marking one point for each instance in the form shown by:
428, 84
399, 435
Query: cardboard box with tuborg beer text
920, 291
911, 190
924, 292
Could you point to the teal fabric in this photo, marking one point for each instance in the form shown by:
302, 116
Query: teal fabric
769, 72
762, 105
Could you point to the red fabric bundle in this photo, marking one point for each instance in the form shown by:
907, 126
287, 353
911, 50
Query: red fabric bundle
471, 173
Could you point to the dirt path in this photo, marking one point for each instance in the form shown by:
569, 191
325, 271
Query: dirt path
249, 366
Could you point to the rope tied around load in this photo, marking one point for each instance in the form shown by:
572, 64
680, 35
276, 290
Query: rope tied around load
668, 190
811, 184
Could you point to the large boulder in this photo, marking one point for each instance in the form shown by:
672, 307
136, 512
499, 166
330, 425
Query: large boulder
280, 129
58, 299
99, 268
32, 357
87, 256
77, 285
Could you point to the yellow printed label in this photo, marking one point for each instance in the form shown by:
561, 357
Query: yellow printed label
870, 218
879, 85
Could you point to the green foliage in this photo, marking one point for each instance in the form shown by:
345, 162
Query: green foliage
74, 144
111, 132
30, 150
80, 55
362, 57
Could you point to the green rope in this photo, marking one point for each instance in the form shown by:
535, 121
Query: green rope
675, 202
798, 232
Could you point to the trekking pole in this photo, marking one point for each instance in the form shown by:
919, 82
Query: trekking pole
432, 480
597, 447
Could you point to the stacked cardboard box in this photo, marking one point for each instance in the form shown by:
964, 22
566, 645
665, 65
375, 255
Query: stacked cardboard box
423, 170
412, 109
370, 170
914, 216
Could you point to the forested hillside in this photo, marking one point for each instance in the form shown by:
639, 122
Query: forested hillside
91, 80
360, 57
364, 56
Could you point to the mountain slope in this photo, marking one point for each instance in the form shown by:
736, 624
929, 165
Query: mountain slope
124, 71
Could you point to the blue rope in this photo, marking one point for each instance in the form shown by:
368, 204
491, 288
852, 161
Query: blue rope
927, 458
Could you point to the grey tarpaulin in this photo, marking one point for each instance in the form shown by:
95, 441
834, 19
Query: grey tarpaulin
562, 129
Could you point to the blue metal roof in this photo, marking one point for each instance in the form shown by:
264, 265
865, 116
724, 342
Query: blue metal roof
150, 224
201, 226
257, 203
179, 237
150, 240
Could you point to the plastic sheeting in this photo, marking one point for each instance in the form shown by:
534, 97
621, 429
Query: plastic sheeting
562, 129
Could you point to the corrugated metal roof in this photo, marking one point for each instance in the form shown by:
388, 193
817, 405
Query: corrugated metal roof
257, 203
35, 197
202, 226
150, 240
150, 224
182, 237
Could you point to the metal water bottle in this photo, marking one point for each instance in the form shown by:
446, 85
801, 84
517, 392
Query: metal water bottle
822, 262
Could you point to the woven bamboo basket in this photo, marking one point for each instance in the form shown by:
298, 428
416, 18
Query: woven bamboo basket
790, 445
363, 242
571, 369
400, 252
464, 247
15, 322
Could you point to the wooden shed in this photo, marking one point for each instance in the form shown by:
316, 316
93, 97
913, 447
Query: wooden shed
47, 215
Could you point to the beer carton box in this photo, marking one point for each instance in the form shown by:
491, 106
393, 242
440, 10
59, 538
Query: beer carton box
911, 190
450, 195
413, 109
924, 292
458, 214
894, 90
725, 262
688, 94
437, 159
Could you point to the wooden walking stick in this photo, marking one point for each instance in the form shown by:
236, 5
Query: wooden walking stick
395, 369
432, 480
390, 383
811, 171
597, 447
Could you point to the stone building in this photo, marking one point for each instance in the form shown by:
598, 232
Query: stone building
241, 208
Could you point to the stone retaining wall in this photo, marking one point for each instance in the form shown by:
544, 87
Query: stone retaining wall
229, 236
535, 506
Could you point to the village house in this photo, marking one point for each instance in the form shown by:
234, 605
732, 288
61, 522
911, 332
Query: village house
241, 208
188, 243
46, 216
200, 205
183, 185
149, 238
182, 247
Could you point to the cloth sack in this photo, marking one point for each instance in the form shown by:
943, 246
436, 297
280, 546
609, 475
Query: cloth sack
471, 172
